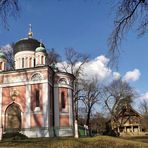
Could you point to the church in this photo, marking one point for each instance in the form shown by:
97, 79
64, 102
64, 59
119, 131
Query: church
35, 99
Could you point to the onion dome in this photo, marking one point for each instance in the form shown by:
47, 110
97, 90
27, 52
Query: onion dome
2, 55
40, 48
27, 44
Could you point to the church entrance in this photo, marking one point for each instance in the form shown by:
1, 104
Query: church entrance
13, 118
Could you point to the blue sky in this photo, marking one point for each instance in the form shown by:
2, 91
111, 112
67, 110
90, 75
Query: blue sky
81, 24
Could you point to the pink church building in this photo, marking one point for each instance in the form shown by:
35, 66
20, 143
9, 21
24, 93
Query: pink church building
35, 98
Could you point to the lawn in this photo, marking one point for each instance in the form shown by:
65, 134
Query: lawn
93, 142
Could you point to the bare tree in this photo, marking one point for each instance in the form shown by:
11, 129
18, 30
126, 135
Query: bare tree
98, 123
52, 56
90, 97
116, 95
8, 51
144, 109
128, 13
74, 62
74, 65
8, 8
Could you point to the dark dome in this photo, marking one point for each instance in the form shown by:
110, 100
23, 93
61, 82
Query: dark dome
27, 44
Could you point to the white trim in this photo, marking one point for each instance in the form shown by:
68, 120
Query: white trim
28, 102
64, 113
45, 104
31, 70
70, 107
63, 86
25, 83
37, 73
56, 107
1, 106
22, 53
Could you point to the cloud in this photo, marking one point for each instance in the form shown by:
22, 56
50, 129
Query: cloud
144, 96
116, 75
97, 68
132, 75
94, 68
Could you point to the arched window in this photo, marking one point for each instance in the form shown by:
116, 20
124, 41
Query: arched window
62, 81
0, 65
13, 117
36, 77
30, 62
37, 98
63, 105
42, 59
23, 63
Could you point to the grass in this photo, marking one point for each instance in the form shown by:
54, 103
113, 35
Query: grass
93, 142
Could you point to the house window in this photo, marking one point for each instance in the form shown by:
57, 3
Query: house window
63, 105
37, 98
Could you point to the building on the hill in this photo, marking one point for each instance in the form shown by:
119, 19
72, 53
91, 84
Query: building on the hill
127, 121
35, 99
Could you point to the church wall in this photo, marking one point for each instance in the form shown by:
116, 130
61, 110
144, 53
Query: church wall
34, 88
50, 105
37, 113
20, 100
36, 119
64, 116
64, 120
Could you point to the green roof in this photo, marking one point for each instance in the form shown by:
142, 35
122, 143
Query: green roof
40, 49
2, 55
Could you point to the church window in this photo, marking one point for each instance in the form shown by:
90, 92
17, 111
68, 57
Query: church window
62, 81
30, 59
42, 59
0, 65
36, 77
63, 105
23, 63
37, 98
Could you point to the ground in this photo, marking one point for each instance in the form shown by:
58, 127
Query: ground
93, 142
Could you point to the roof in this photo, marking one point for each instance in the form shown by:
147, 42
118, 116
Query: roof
2, 55
127, 110
40, 49
26, 44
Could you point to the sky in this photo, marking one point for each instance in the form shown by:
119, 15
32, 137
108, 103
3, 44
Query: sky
84, 25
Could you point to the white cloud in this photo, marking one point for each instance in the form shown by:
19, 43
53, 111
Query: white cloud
132, 75
94, 68
97, 68
116, 75
144, 96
